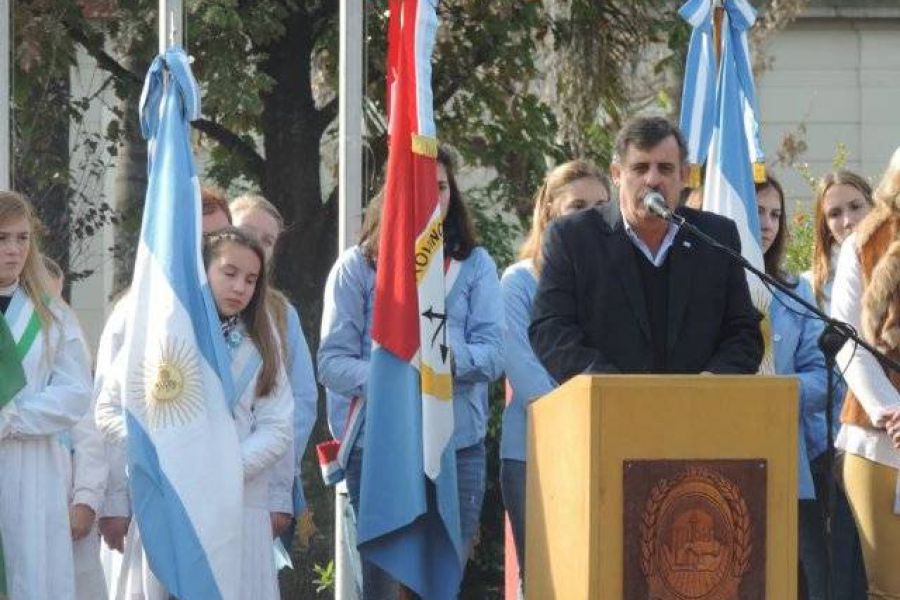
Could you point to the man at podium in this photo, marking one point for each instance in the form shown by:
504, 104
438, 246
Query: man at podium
624, 291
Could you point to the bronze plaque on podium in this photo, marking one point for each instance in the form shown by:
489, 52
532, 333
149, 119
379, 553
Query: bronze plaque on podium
694, 529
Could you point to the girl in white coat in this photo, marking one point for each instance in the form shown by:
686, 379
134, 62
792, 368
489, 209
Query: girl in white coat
50, 372
87, 483
262, 416
235, 267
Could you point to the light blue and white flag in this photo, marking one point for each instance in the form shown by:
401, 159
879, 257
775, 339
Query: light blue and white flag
729, 188
698, 94
184, 460
700, 97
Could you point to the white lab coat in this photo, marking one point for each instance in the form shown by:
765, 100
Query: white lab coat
34, 465
88, 486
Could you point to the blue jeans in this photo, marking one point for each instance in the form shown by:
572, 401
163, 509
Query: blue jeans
512, 485
470, 478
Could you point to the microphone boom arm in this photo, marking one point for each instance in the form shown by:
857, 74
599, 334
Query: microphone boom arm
833, 326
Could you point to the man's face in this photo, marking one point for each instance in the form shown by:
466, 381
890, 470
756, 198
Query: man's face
658, 168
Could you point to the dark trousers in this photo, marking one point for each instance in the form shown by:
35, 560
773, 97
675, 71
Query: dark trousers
847, 569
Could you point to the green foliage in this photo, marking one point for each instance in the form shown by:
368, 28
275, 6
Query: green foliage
798, 255
58, 162
227, 40
497, 232
324, 580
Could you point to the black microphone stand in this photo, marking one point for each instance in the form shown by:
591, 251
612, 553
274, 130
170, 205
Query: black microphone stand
833, 338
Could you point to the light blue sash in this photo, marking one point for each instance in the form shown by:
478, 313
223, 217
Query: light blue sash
246, 362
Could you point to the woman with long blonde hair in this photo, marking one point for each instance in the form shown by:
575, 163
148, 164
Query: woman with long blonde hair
45, 389
865, 296
843, 199
568, 188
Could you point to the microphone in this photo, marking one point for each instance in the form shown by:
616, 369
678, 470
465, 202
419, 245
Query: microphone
656, 204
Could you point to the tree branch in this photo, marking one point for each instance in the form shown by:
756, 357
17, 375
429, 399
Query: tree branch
480, 56
235, 143
94, 46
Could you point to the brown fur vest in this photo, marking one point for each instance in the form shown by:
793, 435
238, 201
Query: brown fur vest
878, 246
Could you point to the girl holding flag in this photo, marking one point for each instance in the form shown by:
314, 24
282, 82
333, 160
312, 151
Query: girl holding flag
474, 332
262, 414
45, 389
235, 265
114, 516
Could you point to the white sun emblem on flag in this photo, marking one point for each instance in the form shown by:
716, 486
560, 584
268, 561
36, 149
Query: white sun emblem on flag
170, 385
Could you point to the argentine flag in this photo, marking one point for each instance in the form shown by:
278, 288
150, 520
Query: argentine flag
698, 96
184, 461
730, 190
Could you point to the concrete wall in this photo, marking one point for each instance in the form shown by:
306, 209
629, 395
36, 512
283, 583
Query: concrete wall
840, 77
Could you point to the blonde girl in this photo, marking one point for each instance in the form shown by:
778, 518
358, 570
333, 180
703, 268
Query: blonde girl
259, 218
46, 389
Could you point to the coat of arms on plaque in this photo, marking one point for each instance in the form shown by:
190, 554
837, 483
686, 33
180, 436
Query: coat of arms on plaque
694, 529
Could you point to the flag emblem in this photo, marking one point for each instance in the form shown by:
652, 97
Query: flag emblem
169, 381
171, 385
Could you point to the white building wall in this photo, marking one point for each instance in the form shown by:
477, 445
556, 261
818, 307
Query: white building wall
840, 77
90, 296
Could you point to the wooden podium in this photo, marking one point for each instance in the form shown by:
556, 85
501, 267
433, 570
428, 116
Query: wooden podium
663, 487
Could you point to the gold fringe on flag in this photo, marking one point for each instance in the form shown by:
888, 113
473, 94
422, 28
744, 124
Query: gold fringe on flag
424, 145
759, 172
694, 177
767, 364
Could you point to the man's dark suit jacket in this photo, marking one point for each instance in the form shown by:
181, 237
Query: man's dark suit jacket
590, 315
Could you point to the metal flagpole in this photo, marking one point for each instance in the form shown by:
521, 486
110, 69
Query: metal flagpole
350, 98
5, 47
171, 24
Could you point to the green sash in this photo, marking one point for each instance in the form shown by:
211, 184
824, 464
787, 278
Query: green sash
19, 328
22, 317
12, 375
